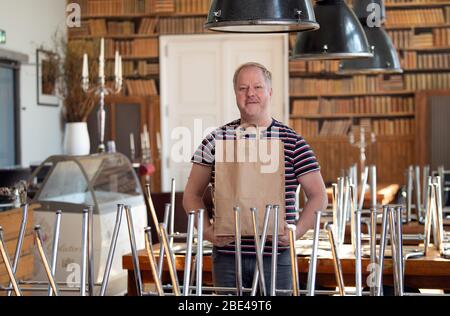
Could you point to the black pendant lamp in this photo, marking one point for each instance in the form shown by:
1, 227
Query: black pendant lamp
385, 58
261, 16
341, 35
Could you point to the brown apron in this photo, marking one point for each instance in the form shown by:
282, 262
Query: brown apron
249, 172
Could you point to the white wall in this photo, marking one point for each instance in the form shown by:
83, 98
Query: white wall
28, 25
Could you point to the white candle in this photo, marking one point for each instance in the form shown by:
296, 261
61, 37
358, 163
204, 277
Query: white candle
132, 141
85, 66
102, 48
158, 141
119, 67
101, 71
116, 65
147, 138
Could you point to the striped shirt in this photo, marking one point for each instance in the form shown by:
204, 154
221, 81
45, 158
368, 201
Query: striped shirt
299, 160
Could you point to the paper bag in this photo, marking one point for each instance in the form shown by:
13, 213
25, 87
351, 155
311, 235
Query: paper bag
249, 172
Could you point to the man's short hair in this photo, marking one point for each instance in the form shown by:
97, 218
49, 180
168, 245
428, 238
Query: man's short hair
266, 73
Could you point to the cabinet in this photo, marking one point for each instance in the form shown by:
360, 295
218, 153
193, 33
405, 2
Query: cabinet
127, 115
10, 221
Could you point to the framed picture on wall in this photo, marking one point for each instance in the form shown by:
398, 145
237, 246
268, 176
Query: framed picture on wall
47, 71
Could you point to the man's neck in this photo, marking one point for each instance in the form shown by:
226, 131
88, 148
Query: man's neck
263, 122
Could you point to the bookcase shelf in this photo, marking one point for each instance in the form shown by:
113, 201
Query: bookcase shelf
133, 28
354, 94
426, 49
352, 115
108, 36
153, 58
394, 94
422, 26
393, 5
420, 70
143, 15
340, 138
420, 30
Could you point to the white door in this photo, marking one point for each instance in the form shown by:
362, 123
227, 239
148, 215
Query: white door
197, 90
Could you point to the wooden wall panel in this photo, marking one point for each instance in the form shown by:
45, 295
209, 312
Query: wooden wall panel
391, 154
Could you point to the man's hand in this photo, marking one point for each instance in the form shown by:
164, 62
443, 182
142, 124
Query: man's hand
283, 240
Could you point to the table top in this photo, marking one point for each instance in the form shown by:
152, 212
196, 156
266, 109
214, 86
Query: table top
431, 265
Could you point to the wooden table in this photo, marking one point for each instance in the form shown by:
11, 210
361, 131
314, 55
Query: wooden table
431, 272
386, 194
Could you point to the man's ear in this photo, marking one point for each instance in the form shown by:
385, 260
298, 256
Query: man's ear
270, 91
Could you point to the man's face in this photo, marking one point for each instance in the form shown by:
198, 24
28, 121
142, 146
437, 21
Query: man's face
253, 93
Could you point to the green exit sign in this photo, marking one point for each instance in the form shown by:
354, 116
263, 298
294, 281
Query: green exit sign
2, 37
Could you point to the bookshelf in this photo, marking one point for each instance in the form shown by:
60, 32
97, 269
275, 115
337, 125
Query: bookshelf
133, 28
420, 30
324, 105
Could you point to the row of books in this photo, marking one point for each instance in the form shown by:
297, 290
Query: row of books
127, 68
161, 6
422, 40
413, 17
147, 69
133, 68
356, 84
427, 81
99, 27
313, 66
192, 6
414, 60
400, 38
438, 37
120, 28
141, 87
148, 26
335, 127
115, 7
306, 128
381, 127
441, 37
312, 128
393, 127
148, 47
186, 25
124, 7
358, 105
411, 1
81, 31
351, 2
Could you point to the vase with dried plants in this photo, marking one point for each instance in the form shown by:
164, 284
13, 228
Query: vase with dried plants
77, 104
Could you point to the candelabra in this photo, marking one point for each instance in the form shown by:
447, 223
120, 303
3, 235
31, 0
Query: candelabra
362, 144
101, 89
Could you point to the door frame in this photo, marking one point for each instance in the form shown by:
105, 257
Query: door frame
423, 117
15, 66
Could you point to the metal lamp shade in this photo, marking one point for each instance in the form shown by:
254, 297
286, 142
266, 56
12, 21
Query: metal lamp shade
385, 58
341, 35
261, 16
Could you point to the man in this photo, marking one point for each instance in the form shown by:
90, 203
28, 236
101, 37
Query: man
253, 90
